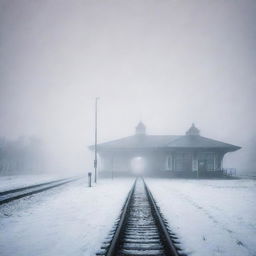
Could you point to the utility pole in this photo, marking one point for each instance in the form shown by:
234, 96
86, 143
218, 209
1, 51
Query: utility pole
95, 145
112, 169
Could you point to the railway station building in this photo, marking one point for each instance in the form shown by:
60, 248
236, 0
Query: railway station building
188, 155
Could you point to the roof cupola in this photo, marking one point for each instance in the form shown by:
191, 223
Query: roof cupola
140, 129
193, 130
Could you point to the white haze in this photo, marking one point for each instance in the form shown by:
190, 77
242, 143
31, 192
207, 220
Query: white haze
168, 63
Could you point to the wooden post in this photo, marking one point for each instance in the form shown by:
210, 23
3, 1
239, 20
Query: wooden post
89, 179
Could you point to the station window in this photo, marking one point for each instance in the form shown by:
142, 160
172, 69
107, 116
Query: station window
183, 162
169, 163
208, 158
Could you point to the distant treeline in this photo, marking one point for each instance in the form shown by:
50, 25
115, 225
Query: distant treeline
23, 155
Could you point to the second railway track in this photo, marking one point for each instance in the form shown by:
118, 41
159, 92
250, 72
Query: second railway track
141, 229
14, 194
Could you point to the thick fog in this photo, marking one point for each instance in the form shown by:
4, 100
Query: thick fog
168, 63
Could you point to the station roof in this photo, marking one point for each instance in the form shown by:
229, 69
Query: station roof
165, 141
192, 139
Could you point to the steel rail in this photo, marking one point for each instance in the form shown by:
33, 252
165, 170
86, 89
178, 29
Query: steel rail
170, 248
121, 224
11, 191
168, 244
19, 196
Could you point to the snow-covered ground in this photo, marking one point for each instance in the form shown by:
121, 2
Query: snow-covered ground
211, 217
18, 181
71, 220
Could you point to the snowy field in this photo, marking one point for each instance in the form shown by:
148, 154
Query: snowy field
18, 181
211, 217
71, 220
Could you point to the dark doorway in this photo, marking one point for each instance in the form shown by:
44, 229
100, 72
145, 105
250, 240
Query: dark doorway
202, 166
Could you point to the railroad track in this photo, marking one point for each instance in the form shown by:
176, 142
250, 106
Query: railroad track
14, 194
141, 228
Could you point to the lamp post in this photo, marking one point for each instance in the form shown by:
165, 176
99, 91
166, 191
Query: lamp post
112, 169
95, 145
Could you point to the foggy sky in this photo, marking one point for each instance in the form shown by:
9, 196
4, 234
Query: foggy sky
166, 62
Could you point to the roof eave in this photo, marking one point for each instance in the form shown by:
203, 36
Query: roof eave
228, 149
